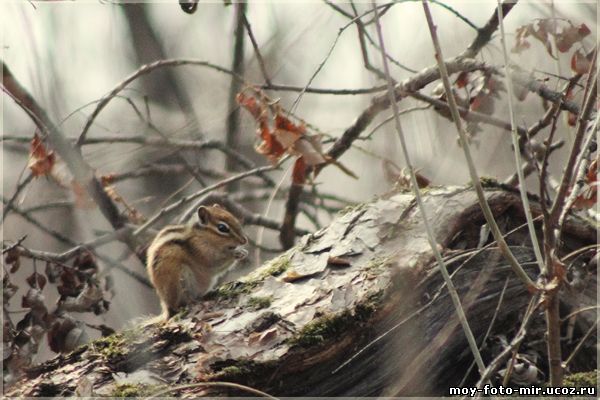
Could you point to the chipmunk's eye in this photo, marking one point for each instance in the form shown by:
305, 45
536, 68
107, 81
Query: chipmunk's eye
222, 227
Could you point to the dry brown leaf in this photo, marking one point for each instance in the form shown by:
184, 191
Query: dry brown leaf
579, 63
41, 161
571, 35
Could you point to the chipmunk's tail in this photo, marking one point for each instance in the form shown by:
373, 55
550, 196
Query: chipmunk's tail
146, 320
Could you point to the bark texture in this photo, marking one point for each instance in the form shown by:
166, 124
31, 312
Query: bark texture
289, 325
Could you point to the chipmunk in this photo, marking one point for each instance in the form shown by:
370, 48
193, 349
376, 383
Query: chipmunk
184, 261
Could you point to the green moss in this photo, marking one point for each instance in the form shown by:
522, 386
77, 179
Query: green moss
126, 390
276, 267
379, 263
365, 309
488, 182
258, 302
581, 379
111, 346
242, 370
317, 331
334, 325
134, 390
233, 290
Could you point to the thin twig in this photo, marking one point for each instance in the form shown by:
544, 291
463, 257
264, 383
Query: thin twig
246, 216
360, 28
460, 312
391, 118
55, 234
82, 172
589, 147
7, 207
544, 168
50, 205
231, 385
580, 344
313, 90
59, 258
468, 115
515, 342
14, 245
259, 57
534, 86
487, 212
489, 329
484, 34
166, 142
143, 70
232, 128
187, 199
515, 142
579, 311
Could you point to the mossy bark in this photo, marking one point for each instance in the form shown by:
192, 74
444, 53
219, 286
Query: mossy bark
290, 327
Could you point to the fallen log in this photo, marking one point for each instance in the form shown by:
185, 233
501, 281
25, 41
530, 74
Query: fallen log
356, 309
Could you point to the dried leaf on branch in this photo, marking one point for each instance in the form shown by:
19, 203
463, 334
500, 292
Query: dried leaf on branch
564, 32
588, 197
283, 136
41, 160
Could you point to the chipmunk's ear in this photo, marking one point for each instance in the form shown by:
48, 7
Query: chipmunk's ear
203, 215
217, 205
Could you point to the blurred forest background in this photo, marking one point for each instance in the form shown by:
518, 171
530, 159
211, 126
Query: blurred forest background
68, 55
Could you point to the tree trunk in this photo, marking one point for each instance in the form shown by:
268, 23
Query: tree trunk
288, 326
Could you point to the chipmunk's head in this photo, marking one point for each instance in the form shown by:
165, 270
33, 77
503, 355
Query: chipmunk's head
224, 230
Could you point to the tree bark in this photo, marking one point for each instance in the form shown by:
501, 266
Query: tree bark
288, 327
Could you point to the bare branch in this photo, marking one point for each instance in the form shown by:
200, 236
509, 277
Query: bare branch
232, 128
145, 69
81, 171
514, 344
460, 312
22, 185
484, 35
402, 90
489, 216
259, 57
516, 149
173, 207
582, 121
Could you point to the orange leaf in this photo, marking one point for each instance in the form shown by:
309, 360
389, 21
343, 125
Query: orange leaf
250, 104
584, 30
592, 174
462, 79
282, 122
107, 179
299, 172
570, 35
286, 131
41, 161
579, 63
521, 43
269, 145
541, 33
589, 195
309, 147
